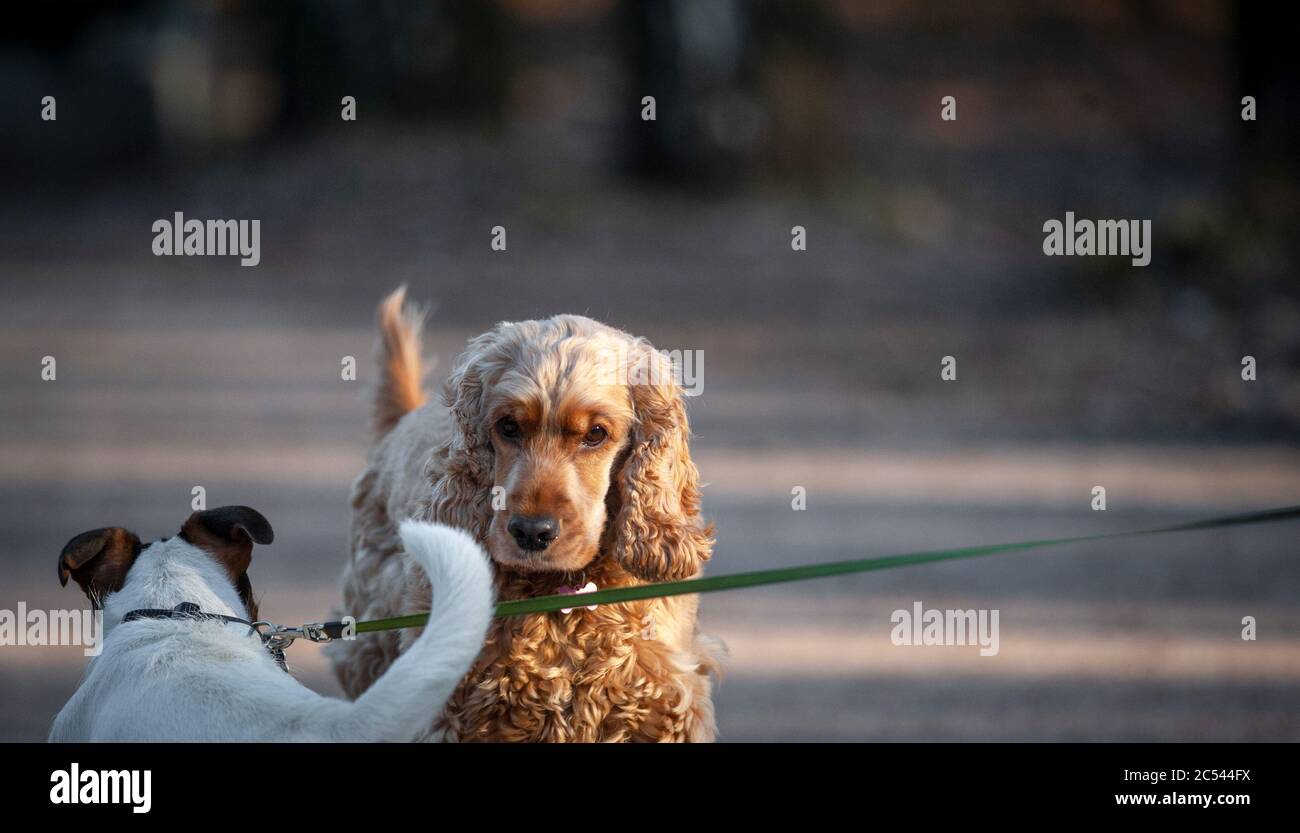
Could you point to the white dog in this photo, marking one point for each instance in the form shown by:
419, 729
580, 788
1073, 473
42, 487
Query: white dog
181, 678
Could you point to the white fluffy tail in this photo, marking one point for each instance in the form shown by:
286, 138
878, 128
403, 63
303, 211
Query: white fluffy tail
405, 701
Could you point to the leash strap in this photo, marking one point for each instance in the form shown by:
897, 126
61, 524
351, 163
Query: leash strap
782, 575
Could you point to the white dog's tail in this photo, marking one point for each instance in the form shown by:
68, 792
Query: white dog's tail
401, 372
405, 701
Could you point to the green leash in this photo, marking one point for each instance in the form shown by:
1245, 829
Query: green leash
782, 575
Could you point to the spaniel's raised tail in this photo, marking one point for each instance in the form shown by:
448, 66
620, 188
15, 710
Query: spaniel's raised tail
401, 374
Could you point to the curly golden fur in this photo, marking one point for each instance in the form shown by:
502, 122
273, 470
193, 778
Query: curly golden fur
575, 421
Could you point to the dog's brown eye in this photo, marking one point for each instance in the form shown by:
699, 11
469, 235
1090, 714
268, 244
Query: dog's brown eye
509, 429
595, 436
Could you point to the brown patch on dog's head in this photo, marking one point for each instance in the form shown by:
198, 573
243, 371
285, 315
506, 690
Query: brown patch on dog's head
99, 560
228, 534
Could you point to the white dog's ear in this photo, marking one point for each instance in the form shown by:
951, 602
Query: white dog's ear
99, 560
228, 534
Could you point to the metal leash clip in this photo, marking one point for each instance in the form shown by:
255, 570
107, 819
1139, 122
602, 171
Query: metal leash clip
315, 632
279, 637
275, 637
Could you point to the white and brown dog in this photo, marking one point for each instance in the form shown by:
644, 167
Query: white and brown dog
205, 678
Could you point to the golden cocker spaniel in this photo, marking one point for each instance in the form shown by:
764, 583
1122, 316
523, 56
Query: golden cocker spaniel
562, 447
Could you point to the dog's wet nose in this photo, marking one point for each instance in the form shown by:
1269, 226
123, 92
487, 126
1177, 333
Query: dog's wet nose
533, 533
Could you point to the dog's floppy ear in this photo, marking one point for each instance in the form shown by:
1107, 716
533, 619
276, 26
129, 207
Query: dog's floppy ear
657, 531
462, 495
228, 533
99, 560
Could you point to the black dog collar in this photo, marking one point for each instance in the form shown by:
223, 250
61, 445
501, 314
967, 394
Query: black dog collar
189, 610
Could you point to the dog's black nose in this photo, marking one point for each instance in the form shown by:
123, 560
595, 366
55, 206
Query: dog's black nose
533, 533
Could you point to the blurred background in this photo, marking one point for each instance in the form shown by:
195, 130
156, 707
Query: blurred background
821, 367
